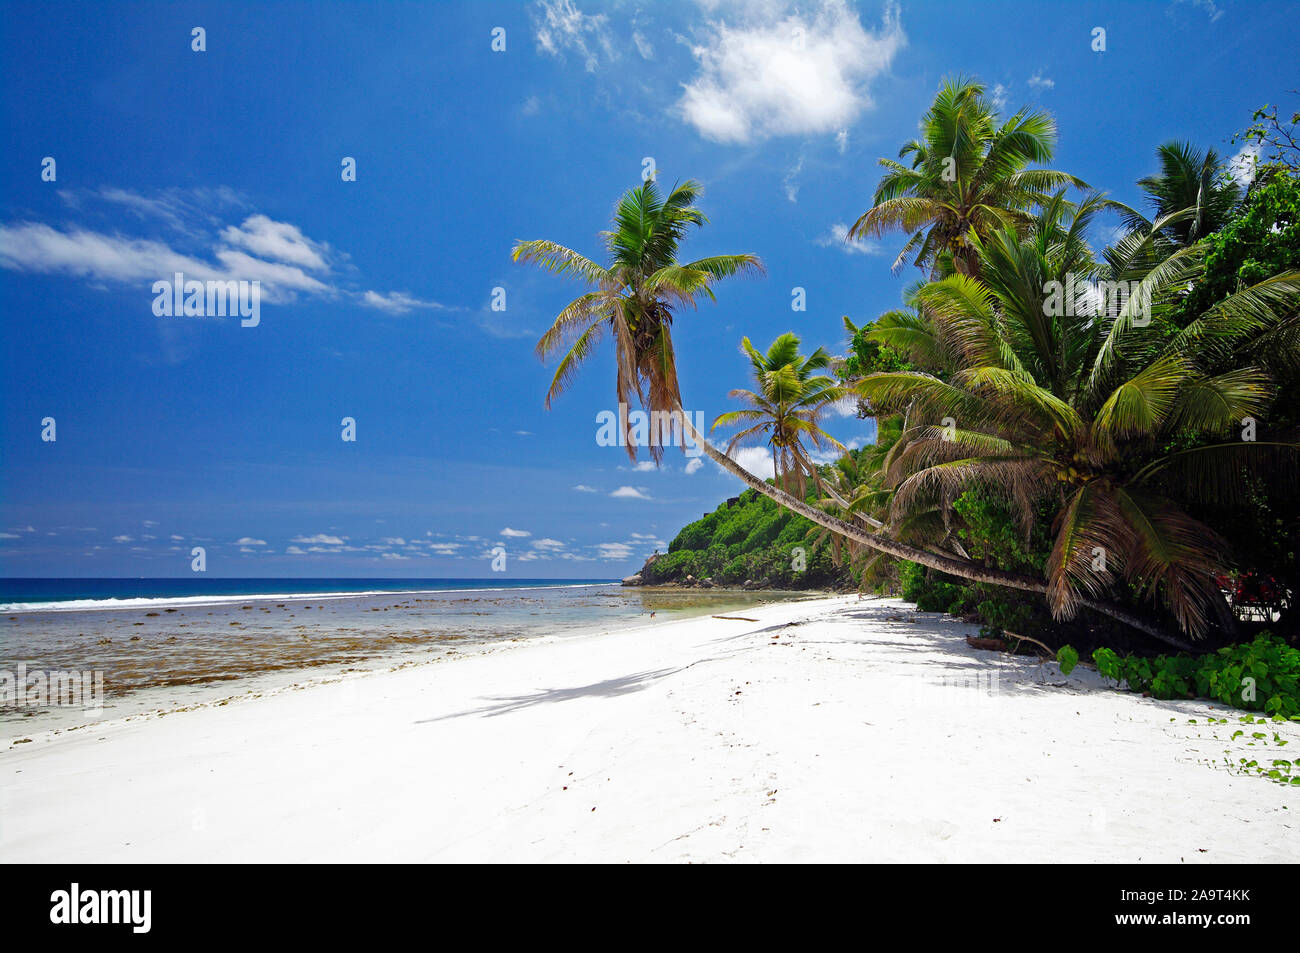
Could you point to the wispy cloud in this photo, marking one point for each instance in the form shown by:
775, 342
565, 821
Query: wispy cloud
1209, 6
791, 181
397, 302
285, 261
562, 28
838, 237
1039, 82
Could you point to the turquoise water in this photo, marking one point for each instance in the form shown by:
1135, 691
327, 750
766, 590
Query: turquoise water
147, 642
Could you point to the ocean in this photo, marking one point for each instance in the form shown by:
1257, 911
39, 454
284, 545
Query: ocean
166, 643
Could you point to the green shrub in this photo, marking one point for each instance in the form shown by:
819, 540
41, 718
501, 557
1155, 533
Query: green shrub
1263, 675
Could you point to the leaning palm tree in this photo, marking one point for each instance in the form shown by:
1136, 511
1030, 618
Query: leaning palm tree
1110, 413
855, 492
968, 177
633, 297
786, 408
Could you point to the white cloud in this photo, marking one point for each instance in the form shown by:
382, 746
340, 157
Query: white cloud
277, 254
694, 465
1242, 166
515, 532
562, 27
629, 493
397, 302
757, 460
999, 95
122, 539
32, 246
1209, 6
249, 541
294, 551
321, 538
547, 544
614, 551
393, 556
643, 45
583, 488
279, 241
842, 141
845, 407
791, 181
838, 237
1039, 82
784, 73
175, 207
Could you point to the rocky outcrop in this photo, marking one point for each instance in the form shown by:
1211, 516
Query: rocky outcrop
638, 578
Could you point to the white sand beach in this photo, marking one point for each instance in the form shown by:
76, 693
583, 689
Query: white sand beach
827, 730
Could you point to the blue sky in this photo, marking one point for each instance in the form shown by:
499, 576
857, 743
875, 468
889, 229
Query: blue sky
174, 432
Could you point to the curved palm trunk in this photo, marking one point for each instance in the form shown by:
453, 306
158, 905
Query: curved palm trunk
949, 564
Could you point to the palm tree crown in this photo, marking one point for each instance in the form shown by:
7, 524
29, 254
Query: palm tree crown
632, 298
785, 409
1194, 181
968, 177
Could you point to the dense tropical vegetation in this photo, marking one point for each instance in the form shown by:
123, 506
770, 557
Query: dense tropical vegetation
748, 539
1093, 442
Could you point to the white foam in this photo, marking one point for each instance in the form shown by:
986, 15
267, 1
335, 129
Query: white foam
96, 605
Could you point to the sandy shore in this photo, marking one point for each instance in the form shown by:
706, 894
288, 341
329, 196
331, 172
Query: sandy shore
831, 730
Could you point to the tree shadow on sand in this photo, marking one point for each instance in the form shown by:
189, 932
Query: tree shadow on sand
610, 688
